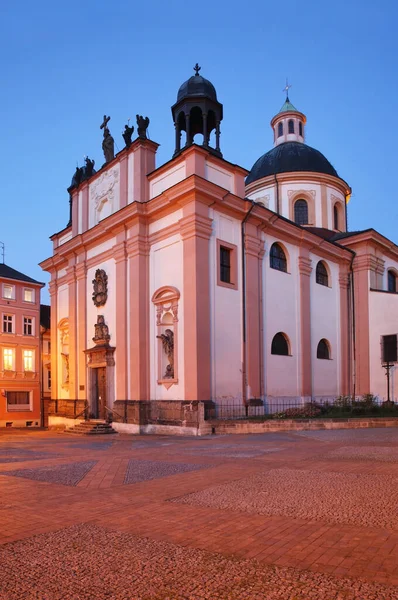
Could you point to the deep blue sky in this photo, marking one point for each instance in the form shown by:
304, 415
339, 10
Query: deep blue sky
63, 65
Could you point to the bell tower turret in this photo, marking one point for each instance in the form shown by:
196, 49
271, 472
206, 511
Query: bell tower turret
289, 123
197, 110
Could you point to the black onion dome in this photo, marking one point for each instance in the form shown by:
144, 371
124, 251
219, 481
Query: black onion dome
197, 86
290, 157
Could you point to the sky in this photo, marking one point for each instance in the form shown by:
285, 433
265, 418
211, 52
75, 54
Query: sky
64, 65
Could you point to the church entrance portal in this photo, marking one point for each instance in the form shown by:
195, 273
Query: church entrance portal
99, 400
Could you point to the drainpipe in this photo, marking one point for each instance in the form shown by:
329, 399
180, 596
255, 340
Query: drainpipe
244, 321
354, 349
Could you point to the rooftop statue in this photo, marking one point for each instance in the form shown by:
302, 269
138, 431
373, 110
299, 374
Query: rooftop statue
127, 133
108, 143
142, 126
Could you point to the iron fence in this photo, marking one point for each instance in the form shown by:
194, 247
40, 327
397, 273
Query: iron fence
280, 408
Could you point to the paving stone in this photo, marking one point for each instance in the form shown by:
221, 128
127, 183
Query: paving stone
378, 453
145, 470
69, 474
376, 435
368, 500
100, 564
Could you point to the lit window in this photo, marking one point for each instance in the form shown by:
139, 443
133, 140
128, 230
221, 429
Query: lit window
28, 360
392, 281
301, 212
9, 292
28, 295
280, 345
225, 264
277, 258
8, 323
28, 325
290, 126
280, 130
323, 349
8, 359
321, 275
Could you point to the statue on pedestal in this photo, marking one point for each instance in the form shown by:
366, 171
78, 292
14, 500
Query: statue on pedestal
142, 126
108, 143
127, 133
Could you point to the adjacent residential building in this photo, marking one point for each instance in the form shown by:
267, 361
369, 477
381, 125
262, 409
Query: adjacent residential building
20, 398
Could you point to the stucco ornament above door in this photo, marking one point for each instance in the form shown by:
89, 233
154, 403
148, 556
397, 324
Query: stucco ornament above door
100, 285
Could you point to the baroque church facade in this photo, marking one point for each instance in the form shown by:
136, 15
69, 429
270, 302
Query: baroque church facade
198, 280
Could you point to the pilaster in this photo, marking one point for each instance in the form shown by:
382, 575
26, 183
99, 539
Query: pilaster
120, 256
53, 289
305, 269
362, 264
195, 230
81, 319
344, 330
72, 296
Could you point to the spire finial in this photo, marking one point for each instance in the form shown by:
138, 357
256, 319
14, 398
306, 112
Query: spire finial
286, 89
197, 69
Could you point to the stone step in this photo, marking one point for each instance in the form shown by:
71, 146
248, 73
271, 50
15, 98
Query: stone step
91, 428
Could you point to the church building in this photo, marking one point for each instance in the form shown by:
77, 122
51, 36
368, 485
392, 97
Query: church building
198, 280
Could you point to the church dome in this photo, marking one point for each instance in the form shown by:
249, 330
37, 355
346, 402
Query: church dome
197, 86
290, 157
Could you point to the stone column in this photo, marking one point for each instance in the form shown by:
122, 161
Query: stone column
305, 270
178, 138
81, 319
205, 135
144, 163
362, 266
218, 136
72, 291
187, 130
120, 256
195, 230
345, 334
138, 306
254, 252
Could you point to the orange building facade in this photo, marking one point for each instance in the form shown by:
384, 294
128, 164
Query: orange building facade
20, 358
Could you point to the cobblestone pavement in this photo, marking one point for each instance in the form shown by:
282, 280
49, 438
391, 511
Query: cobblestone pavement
269, 516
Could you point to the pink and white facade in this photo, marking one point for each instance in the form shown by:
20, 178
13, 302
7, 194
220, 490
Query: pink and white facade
265, 294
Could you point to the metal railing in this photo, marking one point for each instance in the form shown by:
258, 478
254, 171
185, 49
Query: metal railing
279, 408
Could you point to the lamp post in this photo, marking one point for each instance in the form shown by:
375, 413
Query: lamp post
387, 366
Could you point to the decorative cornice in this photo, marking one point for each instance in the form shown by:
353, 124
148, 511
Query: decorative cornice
137, 246
195, 226
81, 270
305, 265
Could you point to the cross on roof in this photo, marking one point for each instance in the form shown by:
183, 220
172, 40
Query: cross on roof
197, 69
286, 89
105, 122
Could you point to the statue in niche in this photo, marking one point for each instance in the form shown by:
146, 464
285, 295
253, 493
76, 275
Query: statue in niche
168, 346
142, 126
100, 284
66, 363
101, 331
108, 143
127, 133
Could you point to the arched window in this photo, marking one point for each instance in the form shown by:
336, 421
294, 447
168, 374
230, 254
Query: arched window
322, 276
335, 217
392, 281
290, 126
280, 130
323, 350
280, 345
277, 258
301, 212
301, 129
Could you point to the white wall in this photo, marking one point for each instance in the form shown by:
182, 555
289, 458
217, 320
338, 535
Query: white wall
383, 320
325, 324
166, 268
166, 180
281, 314
219, 176
226, 316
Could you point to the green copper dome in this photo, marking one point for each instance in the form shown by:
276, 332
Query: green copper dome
288, 107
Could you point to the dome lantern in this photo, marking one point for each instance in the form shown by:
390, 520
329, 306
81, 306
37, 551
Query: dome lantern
289, 123
197, 110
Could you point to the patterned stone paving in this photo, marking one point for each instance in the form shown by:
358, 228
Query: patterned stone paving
368, 500
376, 435
11, 455
380, 453
146, 470
92, 445
69, 474
99, 564
232, 451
